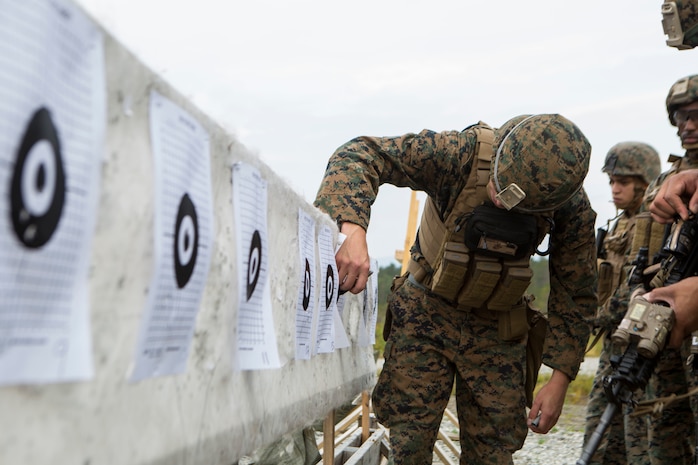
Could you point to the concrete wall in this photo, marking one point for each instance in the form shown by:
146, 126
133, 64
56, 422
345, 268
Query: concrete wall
211, 414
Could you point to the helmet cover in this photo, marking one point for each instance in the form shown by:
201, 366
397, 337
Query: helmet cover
633, 159
546, 155
683, 92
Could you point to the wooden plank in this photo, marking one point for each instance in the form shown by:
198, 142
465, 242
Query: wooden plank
328, 439
452, 418
370, 451
365, 416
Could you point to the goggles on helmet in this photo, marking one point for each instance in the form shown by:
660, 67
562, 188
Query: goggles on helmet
682, 116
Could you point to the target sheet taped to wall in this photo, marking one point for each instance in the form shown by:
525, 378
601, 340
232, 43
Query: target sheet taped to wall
52, 127
327, 310
182, 237
256, 337
305, 304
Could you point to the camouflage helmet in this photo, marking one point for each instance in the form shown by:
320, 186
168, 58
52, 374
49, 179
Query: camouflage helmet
546, 156
683, 92
633, 159
680, 23
501, 132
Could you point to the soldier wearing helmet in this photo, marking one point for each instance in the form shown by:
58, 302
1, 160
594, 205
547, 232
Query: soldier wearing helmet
680, 23
630, 167
460, 311
671, 432
682, 107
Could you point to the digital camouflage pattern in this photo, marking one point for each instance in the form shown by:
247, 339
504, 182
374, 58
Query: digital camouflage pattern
547, 156
683, 92
626, 439
680, 23
426, 350
633, 159
415, 383
502, 131
672, 431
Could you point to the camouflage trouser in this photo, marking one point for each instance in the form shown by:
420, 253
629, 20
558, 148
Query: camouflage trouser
430, 344
672, 435
625, 440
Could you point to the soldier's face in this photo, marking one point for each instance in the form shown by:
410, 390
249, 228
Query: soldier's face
624, 190
686, 117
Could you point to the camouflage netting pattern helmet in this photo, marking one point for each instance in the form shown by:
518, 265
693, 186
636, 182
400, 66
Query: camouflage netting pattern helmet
683, 92
633, 159
547, 156
680, 23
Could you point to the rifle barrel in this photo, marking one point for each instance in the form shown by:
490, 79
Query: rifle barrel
596, 437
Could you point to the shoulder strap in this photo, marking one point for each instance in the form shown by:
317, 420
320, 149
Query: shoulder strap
432, 229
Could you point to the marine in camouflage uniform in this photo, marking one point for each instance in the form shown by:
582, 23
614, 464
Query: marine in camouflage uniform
630, 166
672, 432
432, 340
680, 23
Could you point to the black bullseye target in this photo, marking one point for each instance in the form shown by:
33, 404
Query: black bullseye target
186, 241
329, 287
254, 263
37, 194
307, 284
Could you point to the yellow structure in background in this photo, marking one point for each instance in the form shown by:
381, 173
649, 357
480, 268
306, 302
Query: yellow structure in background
403, 256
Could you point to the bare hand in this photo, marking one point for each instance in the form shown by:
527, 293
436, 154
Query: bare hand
678, 195
548, 403
353, 262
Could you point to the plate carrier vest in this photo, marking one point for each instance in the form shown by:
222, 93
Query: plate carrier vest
444, 265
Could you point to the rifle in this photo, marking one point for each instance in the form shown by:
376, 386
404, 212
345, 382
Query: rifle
645, 328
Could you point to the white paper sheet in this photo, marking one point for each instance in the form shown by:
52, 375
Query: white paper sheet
367, 326
371, 308
53, 116
340, 333
327, 307
305, 306
256, 338
183, 239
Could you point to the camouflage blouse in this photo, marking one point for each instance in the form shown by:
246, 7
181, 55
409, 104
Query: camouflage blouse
438, 163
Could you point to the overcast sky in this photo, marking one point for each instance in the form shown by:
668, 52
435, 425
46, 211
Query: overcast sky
294, 80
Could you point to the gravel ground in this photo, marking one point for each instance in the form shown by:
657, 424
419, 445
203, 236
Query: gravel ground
561, 446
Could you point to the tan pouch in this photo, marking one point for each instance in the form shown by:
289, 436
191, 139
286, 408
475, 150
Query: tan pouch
511, 288
483, 278
398, 281
538, 328
448, 277
605, 281
513, 324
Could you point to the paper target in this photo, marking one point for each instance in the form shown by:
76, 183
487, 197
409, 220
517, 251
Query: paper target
254, 263
307, 285
329, 287
186, 241
37, 194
